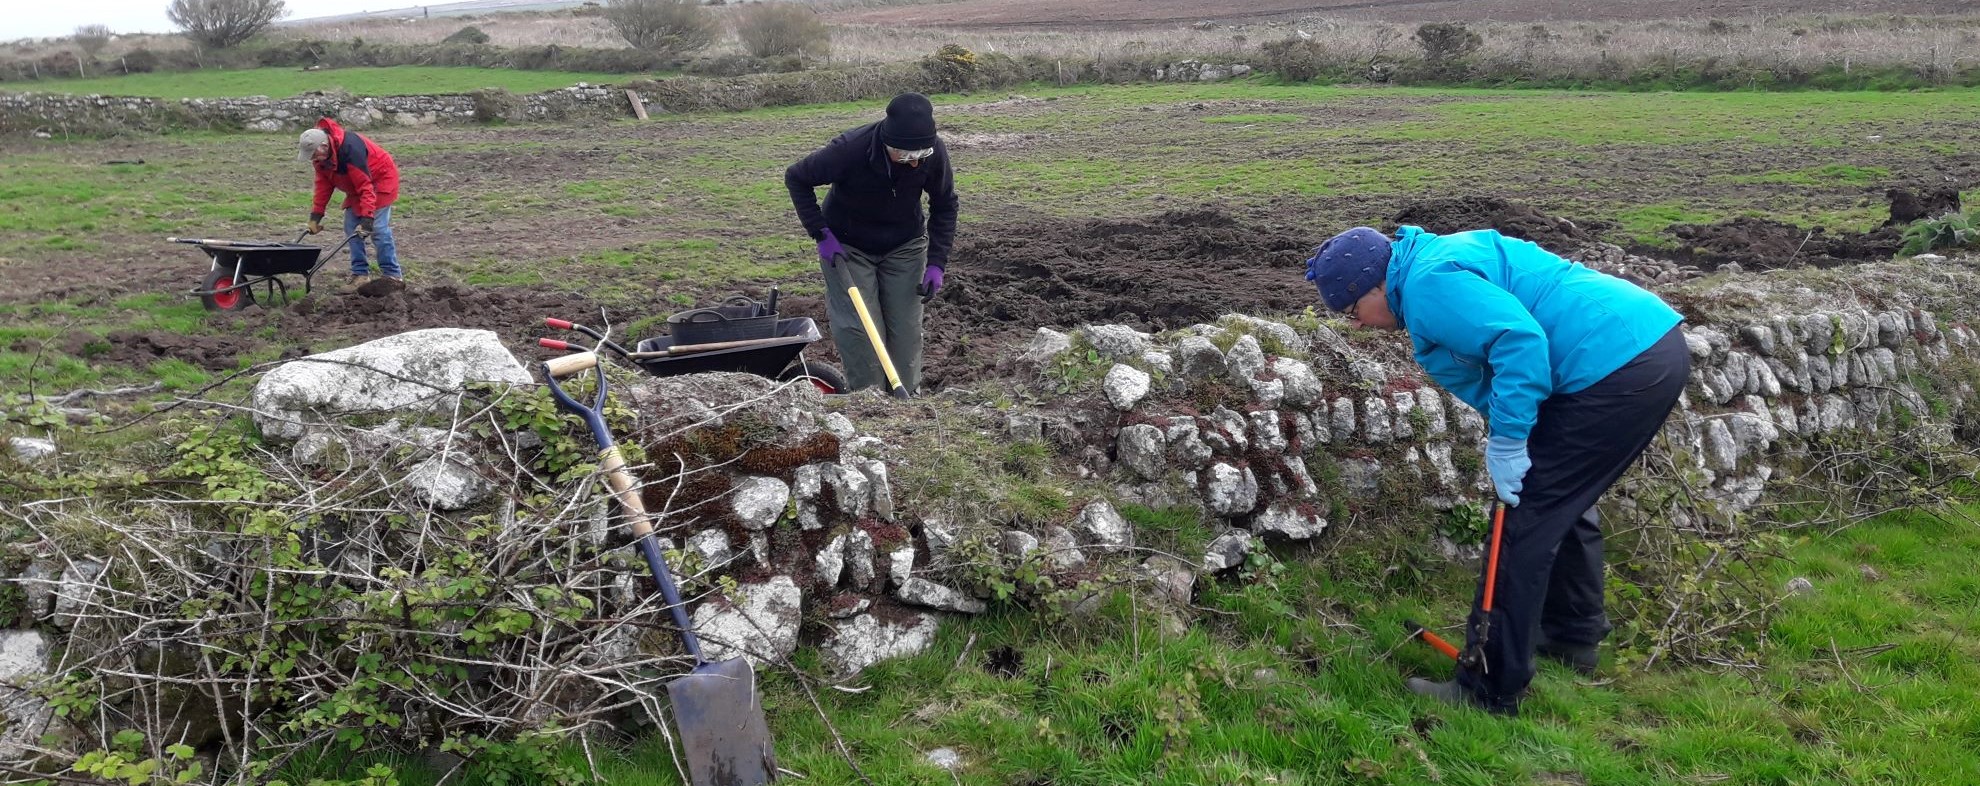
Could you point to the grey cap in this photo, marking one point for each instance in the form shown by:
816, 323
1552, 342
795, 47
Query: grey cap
311, 140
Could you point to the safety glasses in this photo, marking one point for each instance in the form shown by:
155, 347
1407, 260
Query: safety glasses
910, 156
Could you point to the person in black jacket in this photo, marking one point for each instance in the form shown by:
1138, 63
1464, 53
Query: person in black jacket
872, 223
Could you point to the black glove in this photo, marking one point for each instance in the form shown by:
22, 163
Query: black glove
365, 226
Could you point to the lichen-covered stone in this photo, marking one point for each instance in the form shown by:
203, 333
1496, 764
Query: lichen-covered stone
759, 501
763, 624
1142, 449
1125, 386
1116, 342
1199, 358
1229, 490
1288, 522
1266, 433
1185, 444
922, 592
447, 483
1045, 345
1244, 361
859, 560
1344, 420
1174, 580
1101, 526
850, 488
712, 547
1431, 403
1302, 387
866, 639
1061, 549
1227, 551
1375, 419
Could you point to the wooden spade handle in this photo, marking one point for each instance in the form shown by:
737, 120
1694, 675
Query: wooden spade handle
613, 464
561, 367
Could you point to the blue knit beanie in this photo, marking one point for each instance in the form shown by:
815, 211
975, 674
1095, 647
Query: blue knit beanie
1349, 265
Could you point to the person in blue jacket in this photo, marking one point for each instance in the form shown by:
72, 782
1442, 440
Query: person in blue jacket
1574, 370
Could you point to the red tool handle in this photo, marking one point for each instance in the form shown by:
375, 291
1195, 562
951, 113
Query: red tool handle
551, 343
1492, 558
560, 324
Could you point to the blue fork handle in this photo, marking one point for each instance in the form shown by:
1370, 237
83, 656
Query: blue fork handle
625, 489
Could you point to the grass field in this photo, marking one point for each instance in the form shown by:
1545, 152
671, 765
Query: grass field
685, 207
287, 82
1867, 679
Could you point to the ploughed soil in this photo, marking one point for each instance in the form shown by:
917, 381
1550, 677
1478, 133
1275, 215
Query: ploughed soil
1460, 214
1165, 271
1760, 244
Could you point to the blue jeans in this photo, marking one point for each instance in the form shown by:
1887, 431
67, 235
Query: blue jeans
381, 236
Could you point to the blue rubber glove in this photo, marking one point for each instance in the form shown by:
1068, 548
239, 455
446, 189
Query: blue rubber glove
829, 249
1506, 460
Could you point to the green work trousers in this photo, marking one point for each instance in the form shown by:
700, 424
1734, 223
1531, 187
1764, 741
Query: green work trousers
888, 283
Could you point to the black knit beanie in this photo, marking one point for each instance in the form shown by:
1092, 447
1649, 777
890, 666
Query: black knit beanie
910, 123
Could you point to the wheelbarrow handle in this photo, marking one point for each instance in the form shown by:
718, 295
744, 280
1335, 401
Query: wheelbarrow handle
565, 324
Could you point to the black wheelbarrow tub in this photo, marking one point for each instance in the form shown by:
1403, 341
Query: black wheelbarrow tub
766, 360
264, 259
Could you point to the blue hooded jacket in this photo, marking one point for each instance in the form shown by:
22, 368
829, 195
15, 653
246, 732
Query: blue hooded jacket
1502, 323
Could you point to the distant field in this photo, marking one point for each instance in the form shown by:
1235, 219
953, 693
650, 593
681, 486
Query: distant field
1113, 13
286, 82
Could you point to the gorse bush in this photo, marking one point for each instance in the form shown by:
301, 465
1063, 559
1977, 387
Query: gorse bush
466, 35
1294, 60
1445, 42
669, 27
783, 29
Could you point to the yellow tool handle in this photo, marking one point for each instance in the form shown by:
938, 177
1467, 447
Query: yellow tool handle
622, 484
874, 338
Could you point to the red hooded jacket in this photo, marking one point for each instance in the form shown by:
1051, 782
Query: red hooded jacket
359, 168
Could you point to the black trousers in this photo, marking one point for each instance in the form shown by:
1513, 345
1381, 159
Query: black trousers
1550, 553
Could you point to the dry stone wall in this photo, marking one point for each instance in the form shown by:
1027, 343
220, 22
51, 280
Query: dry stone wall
1274, 443
57, 113
51, 113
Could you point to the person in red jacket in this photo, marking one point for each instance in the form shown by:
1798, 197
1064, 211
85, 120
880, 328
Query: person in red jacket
346, 161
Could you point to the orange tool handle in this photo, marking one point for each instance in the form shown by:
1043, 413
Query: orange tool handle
1432, 639
1492, 559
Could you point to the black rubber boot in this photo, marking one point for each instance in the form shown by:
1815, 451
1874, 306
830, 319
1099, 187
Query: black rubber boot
1583, 658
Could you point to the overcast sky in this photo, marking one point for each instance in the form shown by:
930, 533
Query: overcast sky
48, 18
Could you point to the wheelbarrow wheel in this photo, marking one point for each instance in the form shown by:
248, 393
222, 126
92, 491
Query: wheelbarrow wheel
824, 376
234, 300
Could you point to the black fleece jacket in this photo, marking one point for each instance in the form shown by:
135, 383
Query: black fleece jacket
875, 204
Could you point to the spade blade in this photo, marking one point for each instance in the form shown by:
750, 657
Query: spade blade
723, 736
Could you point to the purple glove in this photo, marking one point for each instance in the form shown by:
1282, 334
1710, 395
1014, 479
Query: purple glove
931, 282
829, 249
